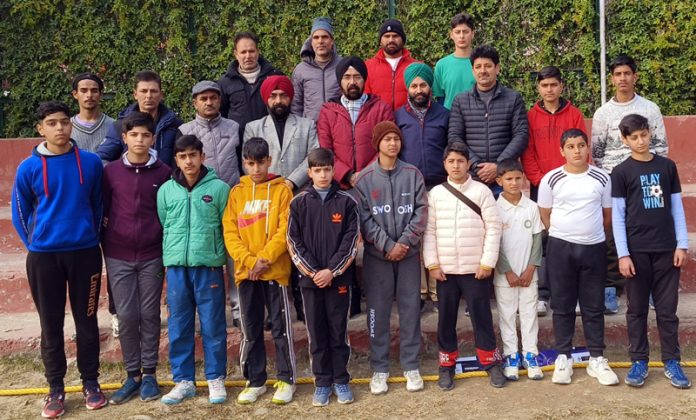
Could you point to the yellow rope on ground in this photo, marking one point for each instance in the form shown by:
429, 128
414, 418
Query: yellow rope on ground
396, 379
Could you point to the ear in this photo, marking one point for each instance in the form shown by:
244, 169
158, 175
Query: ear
202, 157
135, 92
123, 137
499, 181
270, 160
74, 94
39, 128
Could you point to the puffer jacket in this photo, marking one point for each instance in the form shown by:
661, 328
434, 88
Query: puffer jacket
352, 145
314, 84
494, 132
192, 220
220, 138
456, 239
386, 83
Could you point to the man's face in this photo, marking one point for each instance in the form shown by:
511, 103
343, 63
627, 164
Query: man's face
624, 79
390, 145
139, 140
87, 94
352, 84
322, 43
550, 89
638, 141
392, 43
149, 95
190, 162
247, 54
457, 167
575, 152
462, 35
56, 129
279, 103
485, 73
512, 182
257, 169
321, 176
207, 104
419, 92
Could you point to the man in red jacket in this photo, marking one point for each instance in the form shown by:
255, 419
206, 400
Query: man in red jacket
388, 65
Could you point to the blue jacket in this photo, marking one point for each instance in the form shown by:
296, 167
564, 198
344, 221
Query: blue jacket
165, 133
57, 201
424, 143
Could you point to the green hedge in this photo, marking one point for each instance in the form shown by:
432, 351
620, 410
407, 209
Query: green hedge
44, 43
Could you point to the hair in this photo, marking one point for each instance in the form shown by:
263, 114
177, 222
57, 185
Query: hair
623, 60
138, 119
485, 51
147, 76
320, 157
571, 133
632, 123
88, 76
462, 19
186, 142
549, 72
457, 147
246, 35
51, 107
509, 165
255, 149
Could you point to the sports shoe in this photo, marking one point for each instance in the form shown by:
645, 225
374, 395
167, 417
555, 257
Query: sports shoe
217, 394
126, 392
563, 370
446, 378
94, 397
598, 367
149, 389
530, 363
284, 392
637, 374
181, 391
542, 308
54, 404
496, 377
114, 326
511, 369
611, 301
321, 396
378, 383
344, 395
250, 394
414, 382
675, 373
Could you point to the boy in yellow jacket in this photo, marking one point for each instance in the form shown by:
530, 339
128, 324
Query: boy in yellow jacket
255, 226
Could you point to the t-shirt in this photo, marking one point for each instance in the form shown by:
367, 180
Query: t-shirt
576, 201
393, 62
453, 75
647, 188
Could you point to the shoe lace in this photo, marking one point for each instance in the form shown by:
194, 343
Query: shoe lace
675, 369
54, 397
341, 388
282, 386
381, 376
180, 387
217, 385
413, 375
531, 361
603, 363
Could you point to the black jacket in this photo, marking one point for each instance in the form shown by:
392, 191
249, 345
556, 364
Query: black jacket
323, 234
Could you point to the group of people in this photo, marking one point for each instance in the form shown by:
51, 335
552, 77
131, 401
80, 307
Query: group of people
279, 183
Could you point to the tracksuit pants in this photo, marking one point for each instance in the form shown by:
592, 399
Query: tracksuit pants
136, 287
510, 301
577, 273
656, 274
383, 281
254, 296
326, 315
51, 275
188, 289
232, 291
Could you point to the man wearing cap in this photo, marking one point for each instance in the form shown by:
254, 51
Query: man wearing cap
314, 79
90, 125
387, 67
393, 216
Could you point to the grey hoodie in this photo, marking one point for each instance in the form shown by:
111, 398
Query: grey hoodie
313, 85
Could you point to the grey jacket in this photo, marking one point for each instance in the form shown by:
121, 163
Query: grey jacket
220, 138
313, 84
393, 207
299, 138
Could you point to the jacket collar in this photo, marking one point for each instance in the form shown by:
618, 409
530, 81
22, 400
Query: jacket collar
213, 122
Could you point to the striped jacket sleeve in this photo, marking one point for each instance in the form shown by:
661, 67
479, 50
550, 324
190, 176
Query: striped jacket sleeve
303, 259
344, 256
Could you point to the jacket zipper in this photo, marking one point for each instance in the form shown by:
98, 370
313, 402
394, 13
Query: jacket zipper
137, 206
393, 202
188, 230
393, 87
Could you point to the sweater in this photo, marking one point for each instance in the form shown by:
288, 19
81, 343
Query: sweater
89, 138
453, 75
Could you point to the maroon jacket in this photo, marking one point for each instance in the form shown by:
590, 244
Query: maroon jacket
352, 146
132, 230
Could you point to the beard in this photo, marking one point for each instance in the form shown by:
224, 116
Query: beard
393, 49
420, 100
353, 93
280, 111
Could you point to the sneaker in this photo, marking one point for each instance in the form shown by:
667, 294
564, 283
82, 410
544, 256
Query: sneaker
126, 392
321, 396
496, 376
284, 392
181, 391
446, 378
611, 301
598, 367
530, 363
675, 373
149, 389
414, 382
94, 397
217, 394
114, 326
344, 395
378, 384
250, 394
637, 374
542, 308
563, 370
54, 405
511, 368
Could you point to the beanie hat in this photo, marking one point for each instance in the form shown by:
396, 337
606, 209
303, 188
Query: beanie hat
393, 25
322, 23
276, 82
350, 61
382, 129
418, 70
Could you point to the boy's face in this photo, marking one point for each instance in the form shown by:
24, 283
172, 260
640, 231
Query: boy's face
462, 35
624, 79
87, 94
512, 182
638, 141
390, 145
56, 129
207, 104
149, 95
321, 176
550, 89
257, 169
485, 73
457, 167
575, 152
190, 162
139, 140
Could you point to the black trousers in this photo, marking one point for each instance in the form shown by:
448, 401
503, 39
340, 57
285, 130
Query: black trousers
51, 275
614, 277
326, 315
656, 274
577, 273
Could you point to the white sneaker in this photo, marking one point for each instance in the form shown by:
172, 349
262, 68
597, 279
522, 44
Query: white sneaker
414, 382
598, 367
542, 308
284, 392
250, 394
563, 370
114, 326
181, 391
217, 394
378, 384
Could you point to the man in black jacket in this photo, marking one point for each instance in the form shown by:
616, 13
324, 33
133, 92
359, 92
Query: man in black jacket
490, 119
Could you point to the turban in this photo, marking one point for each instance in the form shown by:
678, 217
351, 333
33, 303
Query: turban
382, 129
350, 61
276, 82
418, 70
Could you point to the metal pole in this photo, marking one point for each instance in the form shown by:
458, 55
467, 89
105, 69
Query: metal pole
391, 8
602, 50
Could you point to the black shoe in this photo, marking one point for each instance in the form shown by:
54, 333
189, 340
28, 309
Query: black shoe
446, 380
496, 376
236, 323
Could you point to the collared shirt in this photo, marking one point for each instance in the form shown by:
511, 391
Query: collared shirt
353, 107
